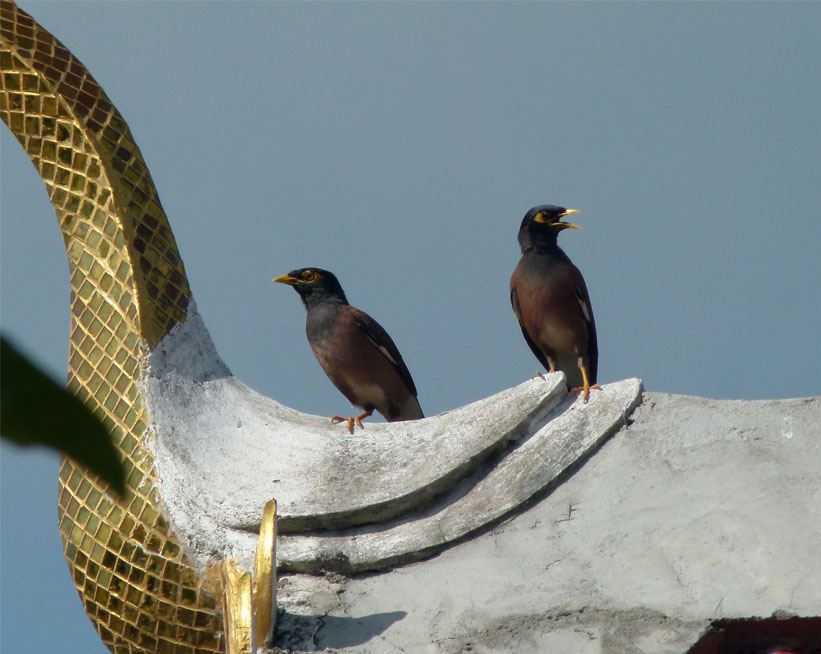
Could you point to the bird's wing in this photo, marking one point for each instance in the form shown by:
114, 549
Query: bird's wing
590, 324
514, 300
374, 332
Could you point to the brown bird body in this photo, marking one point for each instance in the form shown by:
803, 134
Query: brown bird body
362, 361
356, 353
551, 302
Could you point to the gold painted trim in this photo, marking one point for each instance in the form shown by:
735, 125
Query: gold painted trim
265, 579
249, 601
237, 608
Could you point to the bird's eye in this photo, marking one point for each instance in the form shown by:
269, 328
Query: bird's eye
310, 276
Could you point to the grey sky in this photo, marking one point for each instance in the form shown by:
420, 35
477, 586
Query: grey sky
399, 145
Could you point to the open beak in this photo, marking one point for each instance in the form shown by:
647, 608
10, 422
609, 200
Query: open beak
286, 279
561, 225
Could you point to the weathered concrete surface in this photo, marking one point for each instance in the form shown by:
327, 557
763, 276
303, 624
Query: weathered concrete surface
387, 494
532, 464
223, 449
700, 510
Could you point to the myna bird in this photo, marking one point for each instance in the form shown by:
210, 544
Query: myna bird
354, 350
550, 300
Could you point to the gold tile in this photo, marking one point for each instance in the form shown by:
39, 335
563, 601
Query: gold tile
75, 137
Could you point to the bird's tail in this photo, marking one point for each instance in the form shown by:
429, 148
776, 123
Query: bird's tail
411, 410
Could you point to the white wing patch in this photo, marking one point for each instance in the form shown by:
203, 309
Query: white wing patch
583, 305
514, 300
382, 349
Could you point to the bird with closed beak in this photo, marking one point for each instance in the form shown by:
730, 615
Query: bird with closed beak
551, 302
356, 353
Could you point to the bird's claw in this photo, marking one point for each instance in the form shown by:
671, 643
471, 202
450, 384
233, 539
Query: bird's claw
350, 420
585, 390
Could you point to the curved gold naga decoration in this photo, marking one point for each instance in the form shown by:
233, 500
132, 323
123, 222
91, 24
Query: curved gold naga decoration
128, 288
382, 497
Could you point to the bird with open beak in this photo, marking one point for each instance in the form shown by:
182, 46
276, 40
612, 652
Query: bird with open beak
551, 301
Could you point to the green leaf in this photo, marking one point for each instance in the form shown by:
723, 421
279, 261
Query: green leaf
36, 411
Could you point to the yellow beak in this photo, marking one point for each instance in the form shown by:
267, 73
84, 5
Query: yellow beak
561, 225
286, 279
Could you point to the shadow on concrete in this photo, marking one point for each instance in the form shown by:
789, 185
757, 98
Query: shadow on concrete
309, 632
776, 635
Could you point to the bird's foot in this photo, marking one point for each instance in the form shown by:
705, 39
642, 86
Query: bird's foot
585, 390
586, 385
352, 420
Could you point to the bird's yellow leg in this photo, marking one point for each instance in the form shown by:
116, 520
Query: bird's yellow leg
587, 386
364, 414
353, 420
336, 419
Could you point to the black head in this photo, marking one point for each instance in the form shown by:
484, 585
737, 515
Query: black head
314, 285
541, 226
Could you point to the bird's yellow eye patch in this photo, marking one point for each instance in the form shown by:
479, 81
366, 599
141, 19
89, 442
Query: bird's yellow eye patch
310, 277
539, 218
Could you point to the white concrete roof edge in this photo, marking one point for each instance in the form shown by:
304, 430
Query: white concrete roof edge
562, 444
222, 449
212, 429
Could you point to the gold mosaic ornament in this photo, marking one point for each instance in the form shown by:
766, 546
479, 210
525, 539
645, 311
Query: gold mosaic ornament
128, 289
